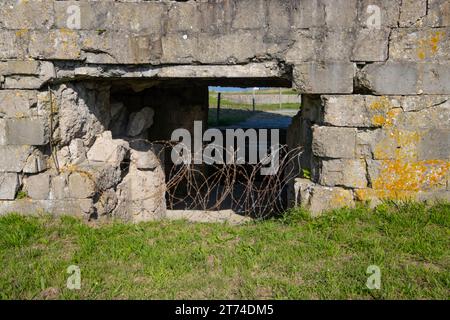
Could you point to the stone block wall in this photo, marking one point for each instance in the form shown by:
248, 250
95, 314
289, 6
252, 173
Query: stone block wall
370, 148
375, 75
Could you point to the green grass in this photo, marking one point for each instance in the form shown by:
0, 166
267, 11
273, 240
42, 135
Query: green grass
294, 257
227, 104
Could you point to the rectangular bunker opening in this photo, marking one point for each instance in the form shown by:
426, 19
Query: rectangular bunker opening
111, 144
256, 109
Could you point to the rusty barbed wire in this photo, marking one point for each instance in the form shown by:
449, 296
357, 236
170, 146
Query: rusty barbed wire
240, 187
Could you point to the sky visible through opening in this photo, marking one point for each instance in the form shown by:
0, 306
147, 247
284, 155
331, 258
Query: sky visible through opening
233, 89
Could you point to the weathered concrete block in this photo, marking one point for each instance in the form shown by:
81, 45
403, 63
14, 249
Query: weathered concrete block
318, 199
436, 78
371, 45
366, 142
144, 155
375, 197
60, 44
438, 13
36, 163
418, 103
324, 78
45, 72
18, 103
37, 186
14, 44
390, 78
320, 44
26, 14
357, 110
24, 131
245, 9
435, 115
278, 19
19, 67
412, 12
434, 144
13, 158
221, 48
81, 186
418, 44
110, 15
403, 175
343, 173
302, 189
335, 45
325, 198
416, 78
185, 16
308, 14
79, 110
340, 13
108, 150
72, 207
141, 195
9, 185
303, 49
104, 175
331, 142
115, 47
59, 187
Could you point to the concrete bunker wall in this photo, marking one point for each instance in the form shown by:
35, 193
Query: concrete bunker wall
94, 148
375, 79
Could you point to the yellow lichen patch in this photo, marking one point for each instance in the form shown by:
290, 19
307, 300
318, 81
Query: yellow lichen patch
429, 46
66, 31
378, 120
385, 112
434, 41
21, 33
388, 120
411, 176
340, 199
383, 104
398, 144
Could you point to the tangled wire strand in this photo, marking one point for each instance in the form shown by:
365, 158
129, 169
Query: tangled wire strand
239, 187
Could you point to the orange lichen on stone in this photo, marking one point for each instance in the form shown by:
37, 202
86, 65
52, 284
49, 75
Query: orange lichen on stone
382, 104
434, 42
340, 199
398, 144
388, 120
21, 32
429, 46
411, 176
385, 112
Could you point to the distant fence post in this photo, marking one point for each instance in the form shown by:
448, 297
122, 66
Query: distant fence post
253, 100
219, 95
279, 97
